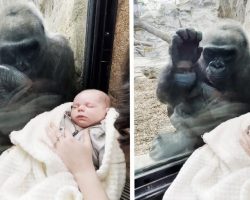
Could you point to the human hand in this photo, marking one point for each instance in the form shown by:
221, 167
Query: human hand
76, 154
245, 140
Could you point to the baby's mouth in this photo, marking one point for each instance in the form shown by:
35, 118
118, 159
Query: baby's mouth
81, 117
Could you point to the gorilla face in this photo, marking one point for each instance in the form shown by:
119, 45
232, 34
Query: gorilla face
219, 62
21, 43
37, 70
221, 53
27, 50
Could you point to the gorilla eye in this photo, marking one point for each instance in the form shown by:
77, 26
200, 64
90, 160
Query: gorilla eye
230, 52
209, 54
7, 55
229, 55
31, 46
29, 49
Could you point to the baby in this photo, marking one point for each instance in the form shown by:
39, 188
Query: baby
88, 110
33, 169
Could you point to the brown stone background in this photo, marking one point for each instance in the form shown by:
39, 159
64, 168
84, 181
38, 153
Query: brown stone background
69, 19
235, 9
120, 48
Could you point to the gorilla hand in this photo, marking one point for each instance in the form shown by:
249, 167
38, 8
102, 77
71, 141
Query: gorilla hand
185, 47
13, 84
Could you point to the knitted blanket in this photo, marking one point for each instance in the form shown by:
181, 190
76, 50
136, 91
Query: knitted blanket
30, 170
220, 170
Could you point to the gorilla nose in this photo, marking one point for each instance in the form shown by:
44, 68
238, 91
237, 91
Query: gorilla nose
217, 64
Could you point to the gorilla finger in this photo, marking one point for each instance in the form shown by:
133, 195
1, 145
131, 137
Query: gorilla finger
199, 36
175, 54
177, 41
191, 33
182, 33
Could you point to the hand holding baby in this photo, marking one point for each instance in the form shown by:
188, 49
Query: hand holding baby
76, 154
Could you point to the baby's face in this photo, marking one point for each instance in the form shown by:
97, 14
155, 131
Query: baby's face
88, 108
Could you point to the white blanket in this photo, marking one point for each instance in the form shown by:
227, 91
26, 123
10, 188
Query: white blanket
31, 171
220, 170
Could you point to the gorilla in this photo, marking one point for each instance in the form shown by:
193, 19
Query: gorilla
37, 69
206, 83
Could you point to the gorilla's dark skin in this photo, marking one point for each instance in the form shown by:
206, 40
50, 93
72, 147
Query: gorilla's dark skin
202, 86
37, 70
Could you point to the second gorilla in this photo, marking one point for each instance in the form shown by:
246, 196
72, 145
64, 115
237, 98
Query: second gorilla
206, 83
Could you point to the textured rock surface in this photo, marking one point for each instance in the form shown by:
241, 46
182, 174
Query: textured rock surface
120, 48
235, 9
69, 19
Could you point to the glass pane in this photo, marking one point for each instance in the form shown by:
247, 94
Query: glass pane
41, 55
190, 101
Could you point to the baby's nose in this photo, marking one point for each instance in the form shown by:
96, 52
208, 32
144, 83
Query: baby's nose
81, 107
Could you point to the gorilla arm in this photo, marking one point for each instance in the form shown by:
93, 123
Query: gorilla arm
12, 84
16, 115
19, 103
179, 77
24, 98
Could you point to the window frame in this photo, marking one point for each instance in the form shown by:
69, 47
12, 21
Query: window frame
100, 29
152, 181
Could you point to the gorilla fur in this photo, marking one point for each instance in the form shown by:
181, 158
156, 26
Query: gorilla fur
205, 84
37, 69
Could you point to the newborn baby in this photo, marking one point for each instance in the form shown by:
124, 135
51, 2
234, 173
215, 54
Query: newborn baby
88, 110
33, 169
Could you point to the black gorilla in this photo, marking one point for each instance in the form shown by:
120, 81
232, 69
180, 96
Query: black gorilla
203, 86
36, 69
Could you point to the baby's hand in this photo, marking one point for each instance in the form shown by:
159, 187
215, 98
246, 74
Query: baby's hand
245, 140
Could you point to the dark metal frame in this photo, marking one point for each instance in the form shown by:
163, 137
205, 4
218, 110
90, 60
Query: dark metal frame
151, 182
101, 20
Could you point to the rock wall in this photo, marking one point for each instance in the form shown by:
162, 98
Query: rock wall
120, 48
69, 19
235, 9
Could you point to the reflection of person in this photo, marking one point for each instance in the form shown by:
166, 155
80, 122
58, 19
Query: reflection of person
219, 169
57, 167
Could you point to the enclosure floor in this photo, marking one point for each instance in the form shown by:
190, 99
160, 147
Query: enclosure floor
150, 115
